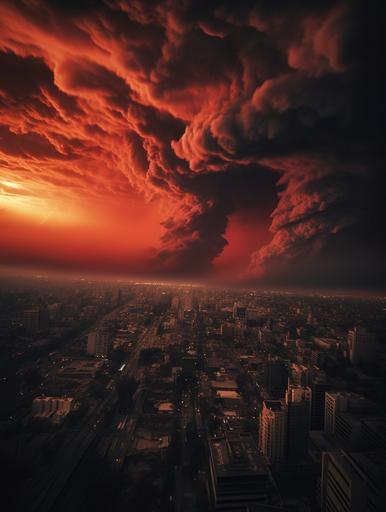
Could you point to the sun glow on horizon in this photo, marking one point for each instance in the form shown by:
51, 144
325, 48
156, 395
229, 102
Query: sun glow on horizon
24, 201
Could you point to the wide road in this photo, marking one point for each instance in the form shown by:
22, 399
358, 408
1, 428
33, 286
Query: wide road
40, 493
185, 499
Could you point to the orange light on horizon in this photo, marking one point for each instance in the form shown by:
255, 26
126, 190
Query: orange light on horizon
23, 201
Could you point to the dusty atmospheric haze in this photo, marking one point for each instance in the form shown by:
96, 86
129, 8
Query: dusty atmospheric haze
232, 140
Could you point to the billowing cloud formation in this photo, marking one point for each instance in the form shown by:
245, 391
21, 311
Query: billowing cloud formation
273, 109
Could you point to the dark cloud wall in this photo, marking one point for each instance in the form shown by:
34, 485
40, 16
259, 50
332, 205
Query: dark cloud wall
274, 109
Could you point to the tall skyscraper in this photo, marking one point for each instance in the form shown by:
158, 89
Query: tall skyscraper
276, 378
362, 345
35, 319
334, 404
98, 344
273, 432
343, 414
116, 296
353, 482
185, 307
298, 401
319, 387
299, 374
239, 476
349, 430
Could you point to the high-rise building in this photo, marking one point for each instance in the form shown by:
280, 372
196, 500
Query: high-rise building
362, 345
35, 319
353, 482
348, 431
116, 296
319, 387
300, 375
98, 344
343, 415
185, 307
351, 430
239, 476
334, 404
276, 378
273, 432
298, 401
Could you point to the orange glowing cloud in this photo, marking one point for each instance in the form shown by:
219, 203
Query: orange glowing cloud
167, 137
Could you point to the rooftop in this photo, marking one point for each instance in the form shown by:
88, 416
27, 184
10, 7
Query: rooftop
228, 394
165, 407
237, 453
273, 405
224, 384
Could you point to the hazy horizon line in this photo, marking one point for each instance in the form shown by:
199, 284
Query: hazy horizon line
16, 272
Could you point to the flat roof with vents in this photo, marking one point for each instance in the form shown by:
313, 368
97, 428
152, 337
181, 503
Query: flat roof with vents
237, 454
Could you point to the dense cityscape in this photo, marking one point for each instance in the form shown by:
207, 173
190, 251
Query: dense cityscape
192, 256
165, 397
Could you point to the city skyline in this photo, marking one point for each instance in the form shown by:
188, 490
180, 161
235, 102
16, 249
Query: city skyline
177, 398
197, 141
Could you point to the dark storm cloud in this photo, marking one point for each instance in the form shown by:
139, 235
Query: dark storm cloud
272, 108
199, 227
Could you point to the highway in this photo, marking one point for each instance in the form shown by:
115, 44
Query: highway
41, 493
185, 499
121, 442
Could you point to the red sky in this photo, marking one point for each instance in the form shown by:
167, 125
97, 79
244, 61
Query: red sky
97, 234
78, 233
190, 139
